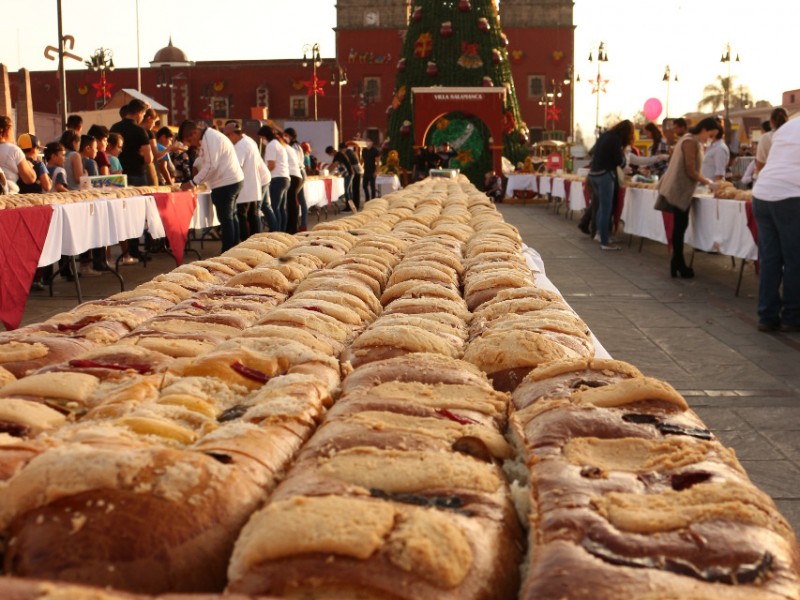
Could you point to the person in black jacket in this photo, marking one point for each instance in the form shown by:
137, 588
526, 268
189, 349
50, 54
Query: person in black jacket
609, 153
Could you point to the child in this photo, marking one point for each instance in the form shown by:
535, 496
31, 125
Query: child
164, 145
100, 133
54, 154
88, 150
113, 150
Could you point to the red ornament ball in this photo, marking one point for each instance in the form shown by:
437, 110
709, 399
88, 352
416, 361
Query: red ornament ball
464, 5
433, 69
416, 16
483, 24
401, 65
446, 30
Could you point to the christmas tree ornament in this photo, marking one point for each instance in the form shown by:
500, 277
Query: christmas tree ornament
509, 122
487, 81
504, 39
401, 65
469, 58
405, 128
433, 69
446, 30
416, 15
497, 56
464, 5
483, 25
423, 46
389, 109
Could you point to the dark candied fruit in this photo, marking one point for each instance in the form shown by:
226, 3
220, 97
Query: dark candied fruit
233, 413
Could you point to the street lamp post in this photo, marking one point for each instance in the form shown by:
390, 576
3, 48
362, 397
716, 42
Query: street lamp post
600, 84
726, 96
568, 76
102, 60
339, 78
316, 61
668, 78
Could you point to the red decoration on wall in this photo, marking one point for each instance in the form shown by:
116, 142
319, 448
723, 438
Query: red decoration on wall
83, 89
516, 56
101, 88
558, 57
553, 112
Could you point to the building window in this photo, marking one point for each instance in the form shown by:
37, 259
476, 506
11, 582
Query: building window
299, 106
262, 95
372, 89
220, 107
535, 87
791, 99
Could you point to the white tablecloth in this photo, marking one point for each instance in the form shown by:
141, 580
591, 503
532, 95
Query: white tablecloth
545, 185
715, 225
386, 184
523, 181
78, 227
535, 263
576, 200
204, 215
316, 196
640, 217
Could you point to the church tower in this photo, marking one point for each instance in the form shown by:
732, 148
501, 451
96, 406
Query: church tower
541, 51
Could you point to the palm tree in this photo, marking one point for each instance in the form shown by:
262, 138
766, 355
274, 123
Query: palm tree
722, 94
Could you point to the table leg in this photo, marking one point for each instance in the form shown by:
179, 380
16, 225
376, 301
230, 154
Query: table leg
115, 272
73, 263
741, 273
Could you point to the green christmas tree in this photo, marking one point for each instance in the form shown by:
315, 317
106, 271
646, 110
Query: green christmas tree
455, 43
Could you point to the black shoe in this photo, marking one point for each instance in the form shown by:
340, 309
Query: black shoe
101, 267
769, 327
684, 272
584, 228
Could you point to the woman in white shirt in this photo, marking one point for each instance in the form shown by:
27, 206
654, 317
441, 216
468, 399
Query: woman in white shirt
277, 161
12, 159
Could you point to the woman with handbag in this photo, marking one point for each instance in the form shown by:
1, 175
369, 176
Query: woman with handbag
608, 156
677, 187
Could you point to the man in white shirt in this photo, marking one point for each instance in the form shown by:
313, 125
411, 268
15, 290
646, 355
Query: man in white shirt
715, 162
247, 204
776, 207
221, 171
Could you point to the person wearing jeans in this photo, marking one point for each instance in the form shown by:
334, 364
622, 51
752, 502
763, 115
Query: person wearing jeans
276, 157
221, 171
776, 207
608, 155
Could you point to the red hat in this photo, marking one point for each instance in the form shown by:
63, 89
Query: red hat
306, 147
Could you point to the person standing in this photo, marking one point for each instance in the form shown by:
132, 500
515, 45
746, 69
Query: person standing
100, 133
607, 157
370, 156
716, 158
776, 207
247, 204
340, 162
221, 172
777, 119
295, 184
677, 187
275, 156
73, 165
291, 140
135, 157
353, 154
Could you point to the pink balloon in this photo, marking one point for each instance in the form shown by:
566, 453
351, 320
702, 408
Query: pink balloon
652, 108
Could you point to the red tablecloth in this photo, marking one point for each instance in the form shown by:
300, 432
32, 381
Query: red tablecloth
176, 210
23, 232
328, 189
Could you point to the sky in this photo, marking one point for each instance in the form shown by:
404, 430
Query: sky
642, 37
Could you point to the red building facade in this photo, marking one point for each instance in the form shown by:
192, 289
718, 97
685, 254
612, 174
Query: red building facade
369, 39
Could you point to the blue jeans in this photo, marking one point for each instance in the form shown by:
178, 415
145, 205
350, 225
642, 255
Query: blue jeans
277, 196
224, 201
266, 209
779, 260
603, 187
